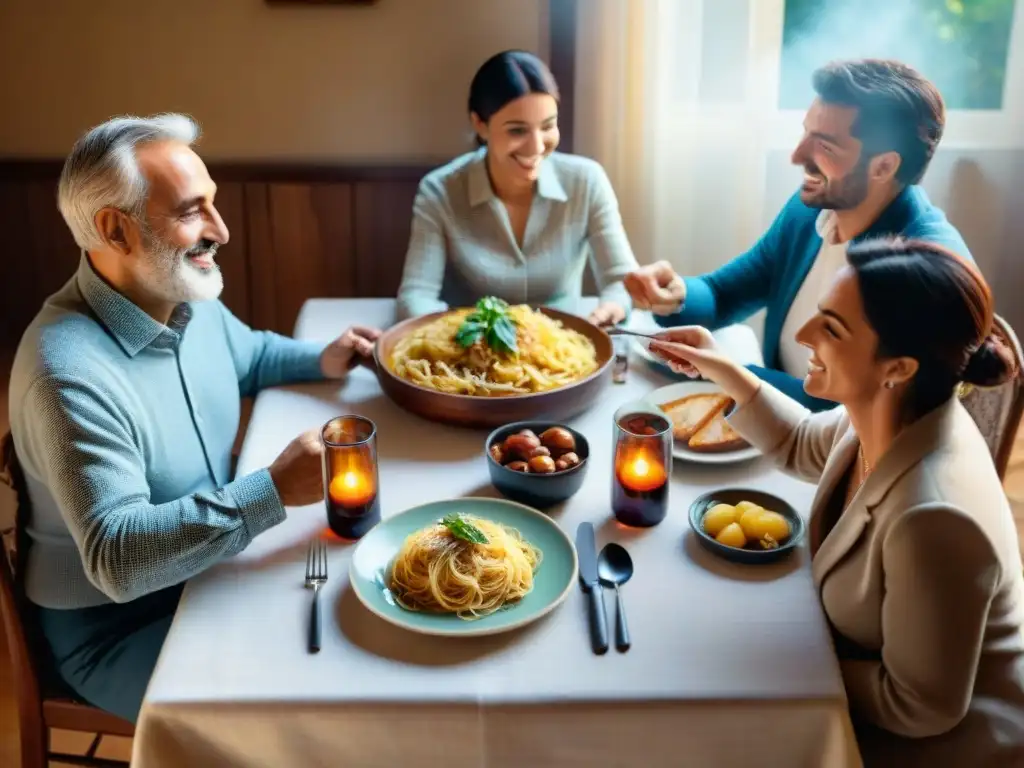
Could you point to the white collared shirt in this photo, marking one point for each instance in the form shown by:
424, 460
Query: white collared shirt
831, 258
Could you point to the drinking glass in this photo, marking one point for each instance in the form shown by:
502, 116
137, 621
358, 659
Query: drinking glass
642, 464
351, 487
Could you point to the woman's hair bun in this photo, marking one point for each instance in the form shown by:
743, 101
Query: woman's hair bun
993, 363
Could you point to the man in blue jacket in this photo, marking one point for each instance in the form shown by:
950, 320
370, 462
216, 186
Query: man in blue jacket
868, 138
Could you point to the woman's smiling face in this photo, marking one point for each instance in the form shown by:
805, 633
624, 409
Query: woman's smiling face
844, 366
519, 136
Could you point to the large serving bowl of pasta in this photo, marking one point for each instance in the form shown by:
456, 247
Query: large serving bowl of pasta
492, 364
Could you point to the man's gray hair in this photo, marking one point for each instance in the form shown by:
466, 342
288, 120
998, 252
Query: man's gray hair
102, 170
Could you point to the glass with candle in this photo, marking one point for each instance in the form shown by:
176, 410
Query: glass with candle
642, 464
350, 475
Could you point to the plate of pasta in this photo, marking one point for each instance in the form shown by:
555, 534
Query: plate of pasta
464, 567
493, 363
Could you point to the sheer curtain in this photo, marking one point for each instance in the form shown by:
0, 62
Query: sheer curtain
674, 98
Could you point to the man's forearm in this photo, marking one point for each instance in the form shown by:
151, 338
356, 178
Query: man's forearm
699, 307
131, 548
282, 360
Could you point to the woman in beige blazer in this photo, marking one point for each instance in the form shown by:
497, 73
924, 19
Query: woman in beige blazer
913, 546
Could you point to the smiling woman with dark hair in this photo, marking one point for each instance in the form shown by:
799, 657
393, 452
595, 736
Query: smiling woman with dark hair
913, 545
515, 219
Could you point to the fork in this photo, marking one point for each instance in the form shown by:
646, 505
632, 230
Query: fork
316, 577
629, 332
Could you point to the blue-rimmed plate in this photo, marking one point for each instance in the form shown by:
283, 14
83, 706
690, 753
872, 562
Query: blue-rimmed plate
552, 582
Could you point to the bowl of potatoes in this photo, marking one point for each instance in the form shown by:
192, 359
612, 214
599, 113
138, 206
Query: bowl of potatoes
746, 526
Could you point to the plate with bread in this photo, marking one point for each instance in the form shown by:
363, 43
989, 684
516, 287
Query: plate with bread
700, 431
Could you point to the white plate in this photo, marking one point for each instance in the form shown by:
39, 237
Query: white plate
680, 450
641, 345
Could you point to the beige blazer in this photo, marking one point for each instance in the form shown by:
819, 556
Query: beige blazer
921, 579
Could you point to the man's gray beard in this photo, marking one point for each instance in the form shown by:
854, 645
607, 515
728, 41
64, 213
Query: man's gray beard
168, 274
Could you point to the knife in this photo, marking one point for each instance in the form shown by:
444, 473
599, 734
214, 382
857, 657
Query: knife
586, 551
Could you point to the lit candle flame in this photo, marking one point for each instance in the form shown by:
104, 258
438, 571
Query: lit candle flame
351, 489
640, 474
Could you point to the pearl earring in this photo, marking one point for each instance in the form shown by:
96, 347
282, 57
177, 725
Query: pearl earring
889, 385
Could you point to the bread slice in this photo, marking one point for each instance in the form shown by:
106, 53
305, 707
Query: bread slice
717, 435
690, 413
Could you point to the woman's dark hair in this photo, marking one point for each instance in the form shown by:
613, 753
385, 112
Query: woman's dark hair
898, 109
505, 77
925, 302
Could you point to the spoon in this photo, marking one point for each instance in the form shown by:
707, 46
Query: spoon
614, 568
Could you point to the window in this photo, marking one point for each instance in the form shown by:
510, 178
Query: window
960, 45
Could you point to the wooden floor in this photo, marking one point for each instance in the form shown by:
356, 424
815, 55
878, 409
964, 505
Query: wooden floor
120, 749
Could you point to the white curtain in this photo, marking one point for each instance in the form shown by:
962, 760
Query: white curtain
677, 99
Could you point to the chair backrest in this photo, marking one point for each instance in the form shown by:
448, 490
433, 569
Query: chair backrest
997, 410
14, 606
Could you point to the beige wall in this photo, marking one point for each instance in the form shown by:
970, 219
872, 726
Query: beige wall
387, 81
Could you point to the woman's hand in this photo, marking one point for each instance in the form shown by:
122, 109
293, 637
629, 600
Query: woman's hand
606, 314
687, 348
692, 351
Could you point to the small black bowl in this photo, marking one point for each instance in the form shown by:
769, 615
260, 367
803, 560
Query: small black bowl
734, 496
536, 490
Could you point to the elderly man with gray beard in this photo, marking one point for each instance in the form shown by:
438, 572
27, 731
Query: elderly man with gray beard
125, 399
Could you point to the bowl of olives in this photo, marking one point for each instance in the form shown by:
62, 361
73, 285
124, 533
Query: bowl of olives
537, 463
746, 526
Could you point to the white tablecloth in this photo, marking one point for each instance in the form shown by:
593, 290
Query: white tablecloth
730, 665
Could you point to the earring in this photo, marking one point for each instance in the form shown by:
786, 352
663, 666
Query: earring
889, 385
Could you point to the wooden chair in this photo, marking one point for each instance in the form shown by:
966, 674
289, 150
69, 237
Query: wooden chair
997, 410
43, 701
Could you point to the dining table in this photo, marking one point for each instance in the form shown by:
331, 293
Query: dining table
730, 664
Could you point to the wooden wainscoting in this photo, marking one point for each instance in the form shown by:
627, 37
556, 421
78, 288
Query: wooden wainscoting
296, 232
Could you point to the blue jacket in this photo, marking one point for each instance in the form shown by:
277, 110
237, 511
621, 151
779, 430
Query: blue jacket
770, 274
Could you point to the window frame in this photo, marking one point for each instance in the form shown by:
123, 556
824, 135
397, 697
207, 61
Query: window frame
968, 129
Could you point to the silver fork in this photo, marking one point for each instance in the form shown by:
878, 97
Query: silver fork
316, 577
628, 332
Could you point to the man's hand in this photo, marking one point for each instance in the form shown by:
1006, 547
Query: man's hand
298, 472
656, 287
606, 314
353, 347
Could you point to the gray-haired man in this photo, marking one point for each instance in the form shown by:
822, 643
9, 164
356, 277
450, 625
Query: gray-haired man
125, 398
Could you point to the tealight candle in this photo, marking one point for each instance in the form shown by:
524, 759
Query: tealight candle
350, 475
351, 489
642, 465
642, 473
